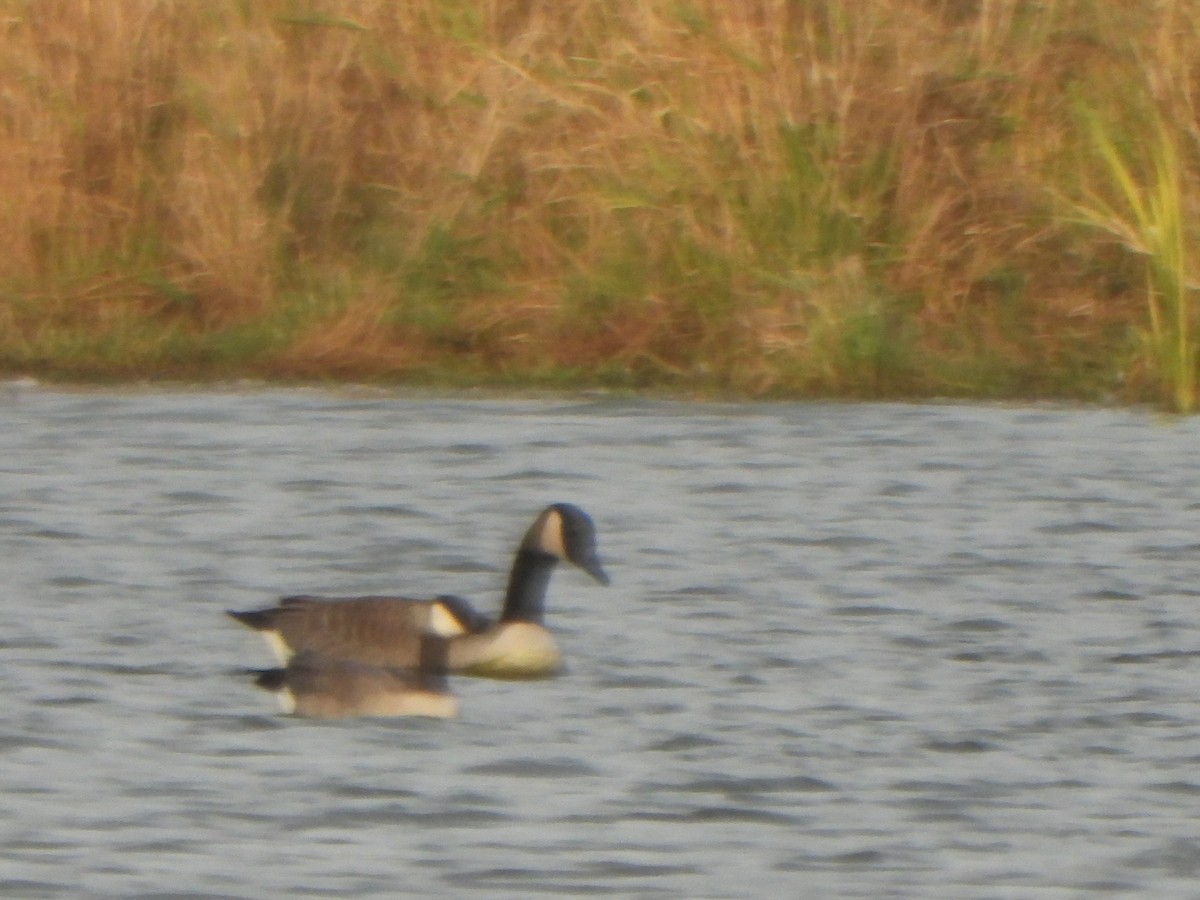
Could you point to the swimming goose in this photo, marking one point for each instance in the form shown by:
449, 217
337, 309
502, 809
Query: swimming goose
318, 687
384, 631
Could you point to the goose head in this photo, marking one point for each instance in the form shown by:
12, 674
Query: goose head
564, 531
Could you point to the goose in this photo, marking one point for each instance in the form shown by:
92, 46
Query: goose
406, 633
317, 687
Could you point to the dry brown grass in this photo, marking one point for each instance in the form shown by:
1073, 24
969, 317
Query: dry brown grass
764, 195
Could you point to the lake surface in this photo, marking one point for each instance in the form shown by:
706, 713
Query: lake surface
849, 650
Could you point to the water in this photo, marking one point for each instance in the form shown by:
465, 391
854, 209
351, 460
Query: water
849, 651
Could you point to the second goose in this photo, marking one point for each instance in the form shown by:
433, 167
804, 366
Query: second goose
446, 634
316, 687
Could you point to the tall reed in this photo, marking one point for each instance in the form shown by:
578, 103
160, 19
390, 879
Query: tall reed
1152, 224
1144, 130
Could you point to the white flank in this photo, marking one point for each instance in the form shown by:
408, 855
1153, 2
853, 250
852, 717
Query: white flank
442, 622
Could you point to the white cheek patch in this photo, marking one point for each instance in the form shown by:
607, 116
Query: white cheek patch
551, 538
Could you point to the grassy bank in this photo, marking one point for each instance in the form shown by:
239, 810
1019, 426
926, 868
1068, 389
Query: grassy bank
892, 198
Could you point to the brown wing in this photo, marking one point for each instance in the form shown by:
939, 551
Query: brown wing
380, 631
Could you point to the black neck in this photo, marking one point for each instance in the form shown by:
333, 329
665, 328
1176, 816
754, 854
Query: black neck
526, 597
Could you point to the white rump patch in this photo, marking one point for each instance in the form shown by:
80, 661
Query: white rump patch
287, 700
278, 646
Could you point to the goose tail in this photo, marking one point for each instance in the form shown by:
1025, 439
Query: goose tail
269, 679
258, 619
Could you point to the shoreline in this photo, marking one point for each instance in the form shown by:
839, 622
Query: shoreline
759, 201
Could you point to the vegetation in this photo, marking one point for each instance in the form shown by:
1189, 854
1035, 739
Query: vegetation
763, 197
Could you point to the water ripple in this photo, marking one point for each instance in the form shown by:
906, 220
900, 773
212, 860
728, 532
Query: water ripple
849, 650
